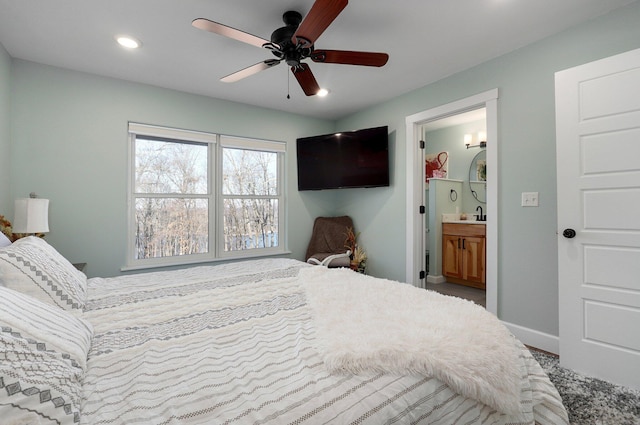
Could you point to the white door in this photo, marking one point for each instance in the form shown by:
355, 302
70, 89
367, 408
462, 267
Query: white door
598, 171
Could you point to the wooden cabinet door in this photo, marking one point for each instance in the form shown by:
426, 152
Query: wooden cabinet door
473, 261
463, 254
451, 256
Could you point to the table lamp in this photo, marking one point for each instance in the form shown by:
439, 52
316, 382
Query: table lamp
31, 215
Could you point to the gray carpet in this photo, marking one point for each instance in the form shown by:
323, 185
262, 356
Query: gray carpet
591, 401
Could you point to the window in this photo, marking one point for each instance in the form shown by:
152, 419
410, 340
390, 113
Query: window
199, 197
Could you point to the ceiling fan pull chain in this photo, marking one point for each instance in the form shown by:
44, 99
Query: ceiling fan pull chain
288, 79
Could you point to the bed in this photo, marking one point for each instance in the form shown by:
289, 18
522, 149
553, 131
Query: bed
269, 341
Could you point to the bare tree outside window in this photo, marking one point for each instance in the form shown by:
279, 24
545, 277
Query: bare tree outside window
200, 196
249, 188
170, 225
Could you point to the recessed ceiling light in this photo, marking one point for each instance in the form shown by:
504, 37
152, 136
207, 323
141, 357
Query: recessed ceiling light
128, 41
322, 92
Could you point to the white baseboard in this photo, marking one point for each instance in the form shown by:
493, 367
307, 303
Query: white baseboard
536, 339
436, 279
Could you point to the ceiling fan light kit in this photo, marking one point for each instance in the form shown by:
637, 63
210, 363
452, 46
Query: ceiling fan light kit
294, 43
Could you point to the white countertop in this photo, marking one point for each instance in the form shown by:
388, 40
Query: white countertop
464, 221
455, 218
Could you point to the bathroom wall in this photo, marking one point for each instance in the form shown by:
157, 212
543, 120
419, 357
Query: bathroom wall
444, 196
450, 139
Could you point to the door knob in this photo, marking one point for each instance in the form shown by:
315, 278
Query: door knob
569, 233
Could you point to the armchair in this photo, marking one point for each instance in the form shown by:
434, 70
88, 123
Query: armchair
327, 244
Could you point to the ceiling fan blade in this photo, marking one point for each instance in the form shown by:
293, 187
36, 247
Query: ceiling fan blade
350, 58
250, 70
216, 28
322, 13
306, 79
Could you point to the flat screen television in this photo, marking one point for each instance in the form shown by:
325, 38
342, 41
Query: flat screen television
344, 160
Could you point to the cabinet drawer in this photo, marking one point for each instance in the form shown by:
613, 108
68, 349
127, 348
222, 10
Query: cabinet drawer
464, 229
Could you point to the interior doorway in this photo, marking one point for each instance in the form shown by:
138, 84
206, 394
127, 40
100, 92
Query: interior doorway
455, 151
415, 219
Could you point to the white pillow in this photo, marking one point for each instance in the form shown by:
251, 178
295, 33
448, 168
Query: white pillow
4, 240
32, 266
43, 353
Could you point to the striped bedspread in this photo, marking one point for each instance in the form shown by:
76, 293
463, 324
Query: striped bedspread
235, 344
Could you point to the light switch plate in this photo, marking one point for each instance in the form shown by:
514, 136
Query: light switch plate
529, 199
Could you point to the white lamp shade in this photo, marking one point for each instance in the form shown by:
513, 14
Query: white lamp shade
31, 215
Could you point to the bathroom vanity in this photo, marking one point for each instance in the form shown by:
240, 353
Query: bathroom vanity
463, 253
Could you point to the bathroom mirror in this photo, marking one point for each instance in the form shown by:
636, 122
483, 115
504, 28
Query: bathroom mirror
478, 176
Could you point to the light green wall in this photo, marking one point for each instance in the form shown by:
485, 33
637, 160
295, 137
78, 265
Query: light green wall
527, 264
70, 146
6, 206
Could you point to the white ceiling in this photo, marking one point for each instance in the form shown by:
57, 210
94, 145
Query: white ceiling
426, 40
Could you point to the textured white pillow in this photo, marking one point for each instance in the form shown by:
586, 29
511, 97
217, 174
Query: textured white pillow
32, 266
4, 240
43, 355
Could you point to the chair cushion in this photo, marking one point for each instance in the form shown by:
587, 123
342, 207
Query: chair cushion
324, 259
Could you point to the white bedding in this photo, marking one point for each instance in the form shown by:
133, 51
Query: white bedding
237, 343
366, 324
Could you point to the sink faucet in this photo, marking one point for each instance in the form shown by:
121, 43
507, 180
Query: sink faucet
481, 217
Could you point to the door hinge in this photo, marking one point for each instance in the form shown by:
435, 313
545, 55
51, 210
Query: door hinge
421, 144
422, 274
422, 209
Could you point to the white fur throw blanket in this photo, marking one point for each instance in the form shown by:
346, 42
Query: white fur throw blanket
366, 325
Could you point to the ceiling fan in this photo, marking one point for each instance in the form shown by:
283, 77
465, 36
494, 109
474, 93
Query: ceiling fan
294, 43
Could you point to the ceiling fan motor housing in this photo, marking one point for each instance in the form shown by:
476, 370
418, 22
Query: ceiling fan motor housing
291, 53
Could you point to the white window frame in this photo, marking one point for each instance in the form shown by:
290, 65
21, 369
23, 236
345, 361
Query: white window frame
255, 145
214, 195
